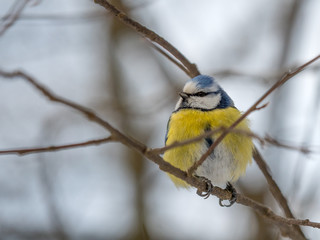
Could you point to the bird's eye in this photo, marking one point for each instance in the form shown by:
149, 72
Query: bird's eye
201, 94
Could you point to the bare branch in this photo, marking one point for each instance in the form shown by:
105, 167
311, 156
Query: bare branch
25, 151
254, 107
268, 213
151, 35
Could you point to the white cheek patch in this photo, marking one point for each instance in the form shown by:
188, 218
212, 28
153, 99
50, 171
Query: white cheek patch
213, 102
207, 102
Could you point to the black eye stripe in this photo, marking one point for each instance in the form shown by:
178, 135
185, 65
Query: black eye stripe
201, 94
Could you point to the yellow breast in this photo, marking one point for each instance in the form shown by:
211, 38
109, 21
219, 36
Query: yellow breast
188, 123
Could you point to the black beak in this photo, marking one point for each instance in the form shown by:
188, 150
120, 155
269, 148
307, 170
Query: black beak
183, 95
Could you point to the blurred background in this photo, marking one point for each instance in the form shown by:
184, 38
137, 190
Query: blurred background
109, 192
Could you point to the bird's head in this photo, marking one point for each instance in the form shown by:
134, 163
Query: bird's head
203, 92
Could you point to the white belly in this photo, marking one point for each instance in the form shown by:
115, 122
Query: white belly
218, 167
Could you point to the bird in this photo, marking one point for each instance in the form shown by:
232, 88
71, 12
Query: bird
203, 106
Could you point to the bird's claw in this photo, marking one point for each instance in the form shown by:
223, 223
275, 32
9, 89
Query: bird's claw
209, 188
233, 198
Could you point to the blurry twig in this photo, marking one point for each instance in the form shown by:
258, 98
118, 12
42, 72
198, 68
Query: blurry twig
47, 191
152, 36
171, 59
231, 72
281, 222
265, 77
25, 151
10, 18
64, 18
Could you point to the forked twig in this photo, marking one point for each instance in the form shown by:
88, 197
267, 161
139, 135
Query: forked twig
24, 151
151, 35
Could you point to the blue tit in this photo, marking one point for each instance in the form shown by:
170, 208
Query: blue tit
203, 106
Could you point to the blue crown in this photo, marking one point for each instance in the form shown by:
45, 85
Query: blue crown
203, 81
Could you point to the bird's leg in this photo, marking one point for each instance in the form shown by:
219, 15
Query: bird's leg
233, 199
209, 188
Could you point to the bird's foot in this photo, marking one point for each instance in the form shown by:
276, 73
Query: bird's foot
233, 199
208, 190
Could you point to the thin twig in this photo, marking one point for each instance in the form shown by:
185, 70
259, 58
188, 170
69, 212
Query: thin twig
254, 107
11, 17
262, 140
151, 35
171, 59
302, 149
25, 151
